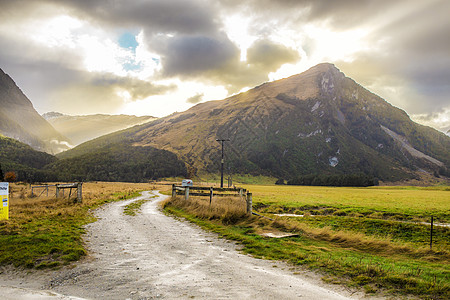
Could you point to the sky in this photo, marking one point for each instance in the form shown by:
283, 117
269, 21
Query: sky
155, 57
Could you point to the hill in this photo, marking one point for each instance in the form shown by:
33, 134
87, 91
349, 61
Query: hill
19, 120
120, 162
319, 121
27, 163
80, 129
117, 162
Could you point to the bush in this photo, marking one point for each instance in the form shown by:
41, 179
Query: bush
10, 176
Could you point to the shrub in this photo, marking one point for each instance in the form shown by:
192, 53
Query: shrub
10, 176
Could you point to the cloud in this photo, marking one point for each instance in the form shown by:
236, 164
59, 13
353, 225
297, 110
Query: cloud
439, 120
270, 56
409, 62
217, 60
401, 51
157, 16
195, 99
192, 55
136, 88
94, 92
341, 15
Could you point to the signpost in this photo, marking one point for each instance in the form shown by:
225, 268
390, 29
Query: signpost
4, 196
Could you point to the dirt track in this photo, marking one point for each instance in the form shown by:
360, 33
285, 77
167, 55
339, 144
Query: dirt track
153, 256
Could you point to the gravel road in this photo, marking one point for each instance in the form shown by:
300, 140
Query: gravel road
154, 256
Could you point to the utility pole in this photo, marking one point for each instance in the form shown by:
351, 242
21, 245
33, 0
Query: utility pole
222, 161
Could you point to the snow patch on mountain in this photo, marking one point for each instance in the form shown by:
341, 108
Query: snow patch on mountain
316, 106
334, 161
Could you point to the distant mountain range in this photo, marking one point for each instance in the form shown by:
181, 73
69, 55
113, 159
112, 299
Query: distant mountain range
19, 120
80, 129
317, 122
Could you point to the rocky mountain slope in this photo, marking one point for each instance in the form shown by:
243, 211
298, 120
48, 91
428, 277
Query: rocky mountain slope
19, 120
80, 129
319, 121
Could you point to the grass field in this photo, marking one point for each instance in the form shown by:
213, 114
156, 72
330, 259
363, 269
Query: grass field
371, 238
365, 237
46, 232
418, 203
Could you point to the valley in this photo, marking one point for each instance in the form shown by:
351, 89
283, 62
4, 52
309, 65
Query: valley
318, 128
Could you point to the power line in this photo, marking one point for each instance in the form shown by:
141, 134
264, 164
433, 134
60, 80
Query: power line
222, 161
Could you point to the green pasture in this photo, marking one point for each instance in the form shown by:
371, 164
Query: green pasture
388, 202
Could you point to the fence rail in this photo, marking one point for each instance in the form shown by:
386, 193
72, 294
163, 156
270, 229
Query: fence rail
61, 187
211, 192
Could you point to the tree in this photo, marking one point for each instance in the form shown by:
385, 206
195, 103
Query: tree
1, 172
10, 176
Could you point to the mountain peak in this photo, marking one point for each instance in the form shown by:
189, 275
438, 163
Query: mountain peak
308, 84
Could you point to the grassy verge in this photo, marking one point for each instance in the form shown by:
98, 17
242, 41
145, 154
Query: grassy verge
132, 208
46, 232
375, 263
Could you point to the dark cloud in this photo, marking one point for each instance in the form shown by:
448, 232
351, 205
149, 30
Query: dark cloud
217, 60
156, 16
138, 89
337, 14
195, 99
192, 55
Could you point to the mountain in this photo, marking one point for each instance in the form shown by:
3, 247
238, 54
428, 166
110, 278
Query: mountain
80, 129
19, 120
316, 122
27, 163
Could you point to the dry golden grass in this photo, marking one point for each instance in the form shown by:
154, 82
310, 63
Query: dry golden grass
229, 210
24, 206
43, 231
360, 241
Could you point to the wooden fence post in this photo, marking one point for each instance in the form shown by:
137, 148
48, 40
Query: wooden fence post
79, 192
431, 233
57, 191
174, 191
249, 203
210, 195
186, 193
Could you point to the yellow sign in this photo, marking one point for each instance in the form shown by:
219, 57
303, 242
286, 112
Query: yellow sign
4, 205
